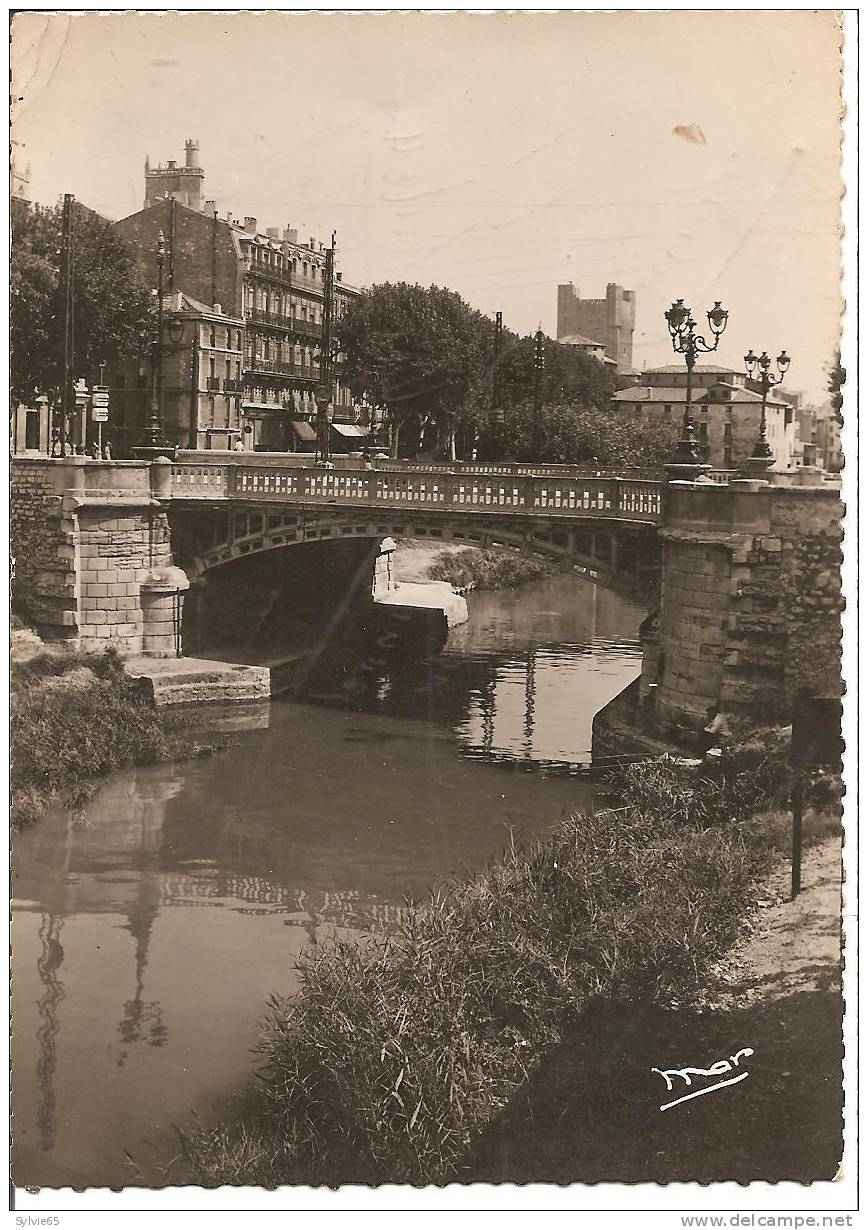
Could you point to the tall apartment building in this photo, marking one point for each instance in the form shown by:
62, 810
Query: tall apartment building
270, 281
610, 320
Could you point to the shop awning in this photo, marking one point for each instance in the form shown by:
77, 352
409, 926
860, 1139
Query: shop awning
263, 407
304, 431
351, 430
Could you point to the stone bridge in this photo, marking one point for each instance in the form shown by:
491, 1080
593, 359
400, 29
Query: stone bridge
104, 551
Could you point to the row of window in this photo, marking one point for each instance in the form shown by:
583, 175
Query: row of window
220, 337
269, 259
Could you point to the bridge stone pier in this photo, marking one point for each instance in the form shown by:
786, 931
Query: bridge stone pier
750, 603
93, 560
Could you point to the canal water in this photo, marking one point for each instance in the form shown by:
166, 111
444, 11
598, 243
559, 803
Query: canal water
149, 932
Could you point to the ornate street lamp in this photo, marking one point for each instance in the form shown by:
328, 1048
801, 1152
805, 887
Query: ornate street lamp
759, 369
153, 443
687, 462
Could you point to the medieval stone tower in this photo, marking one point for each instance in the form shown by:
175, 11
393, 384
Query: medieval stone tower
184, 183
610, 320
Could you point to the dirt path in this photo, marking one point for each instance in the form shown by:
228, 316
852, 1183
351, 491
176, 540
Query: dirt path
592, 1113
415, 555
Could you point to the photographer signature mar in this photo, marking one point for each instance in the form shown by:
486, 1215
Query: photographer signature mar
720, 1068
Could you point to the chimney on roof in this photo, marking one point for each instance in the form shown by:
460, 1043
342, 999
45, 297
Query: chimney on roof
312, 244
192, 152
229, 216
291, 234
210, 207
170, 165
218, 309
250, 225
272, 232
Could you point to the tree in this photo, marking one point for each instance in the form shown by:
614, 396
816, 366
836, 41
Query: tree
567, 434
112, 309
416, 350
837, 379
428, 357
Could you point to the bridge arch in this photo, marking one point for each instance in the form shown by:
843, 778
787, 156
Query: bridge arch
203, 543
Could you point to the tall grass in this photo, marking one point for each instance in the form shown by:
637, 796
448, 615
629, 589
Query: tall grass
486, 569
397, 1052
77, 716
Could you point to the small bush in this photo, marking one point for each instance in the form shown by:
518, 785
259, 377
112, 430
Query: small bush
485, 569
77, 716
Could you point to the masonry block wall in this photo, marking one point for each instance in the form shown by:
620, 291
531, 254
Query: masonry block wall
610, 320
93, 559
202, 257
750, 599
44, 550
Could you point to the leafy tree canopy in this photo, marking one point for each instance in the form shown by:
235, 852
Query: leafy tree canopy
112, 309
427, 356
569, 434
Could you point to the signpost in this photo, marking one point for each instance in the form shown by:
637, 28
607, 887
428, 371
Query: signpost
816, 742
100, 409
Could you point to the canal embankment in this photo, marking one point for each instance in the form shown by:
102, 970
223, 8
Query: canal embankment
400, 1058
76, 717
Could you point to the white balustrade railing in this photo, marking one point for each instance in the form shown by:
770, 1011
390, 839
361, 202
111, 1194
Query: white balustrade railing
544, 494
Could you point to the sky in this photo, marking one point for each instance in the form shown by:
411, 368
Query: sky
680, 154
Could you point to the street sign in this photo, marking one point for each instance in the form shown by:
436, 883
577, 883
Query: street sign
100, 403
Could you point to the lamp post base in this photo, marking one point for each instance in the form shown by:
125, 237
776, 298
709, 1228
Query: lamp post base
685, 471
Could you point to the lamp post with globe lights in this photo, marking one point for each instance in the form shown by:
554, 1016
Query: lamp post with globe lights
687, 462
153, 443
758, 368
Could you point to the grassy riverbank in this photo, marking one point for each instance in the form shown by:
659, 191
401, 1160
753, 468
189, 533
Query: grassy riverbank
75, 717
401, 1053
422, 559
485, 569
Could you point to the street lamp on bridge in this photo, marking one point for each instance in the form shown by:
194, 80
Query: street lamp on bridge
688, 460
759, 369
153, 443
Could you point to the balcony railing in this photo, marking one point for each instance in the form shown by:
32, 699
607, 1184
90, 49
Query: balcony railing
257, 270
212, 384
310, 328
233, 386
277, 367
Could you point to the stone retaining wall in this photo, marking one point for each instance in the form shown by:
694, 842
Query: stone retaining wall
751, 599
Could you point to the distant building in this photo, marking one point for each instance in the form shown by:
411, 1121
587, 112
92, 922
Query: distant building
182, 184
726, 412
612, 320
269, 281
19, 177
202, 380
597, 350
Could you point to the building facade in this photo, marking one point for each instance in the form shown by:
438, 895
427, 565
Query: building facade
270, 281
587, 345
611, 320
203, 352
726, 412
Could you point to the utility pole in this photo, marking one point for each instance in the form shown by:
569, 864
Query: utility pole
497, 409
538, 365
67, 274
326, 379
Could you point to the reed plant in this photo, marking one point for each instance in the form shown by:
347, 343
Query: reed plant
398, 1051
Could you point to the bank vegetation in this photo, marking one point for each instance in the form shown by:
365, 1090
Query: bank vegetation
76, 717
401, 1050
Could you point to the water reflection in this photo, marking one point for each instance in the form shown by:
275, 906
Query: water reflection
148, 937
